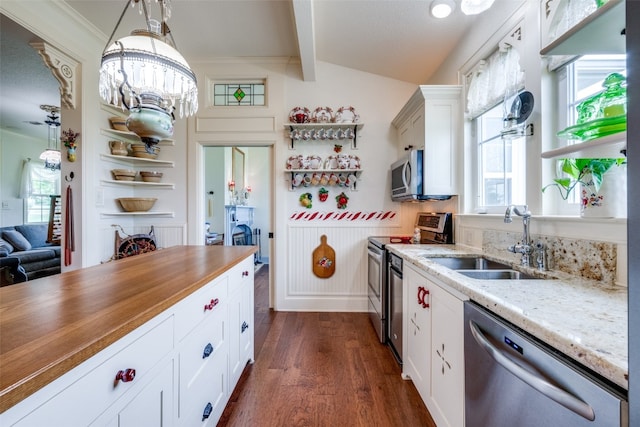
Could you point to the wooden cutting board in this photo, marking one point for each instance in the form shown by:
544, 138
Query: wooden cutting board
324, 259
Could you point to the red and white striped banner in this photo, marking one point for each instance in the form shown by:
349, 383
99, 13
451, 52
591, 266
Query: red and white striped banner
343, 216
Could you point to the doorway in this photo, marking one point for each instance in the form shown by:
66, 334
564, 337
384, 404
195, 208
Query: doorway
235, 176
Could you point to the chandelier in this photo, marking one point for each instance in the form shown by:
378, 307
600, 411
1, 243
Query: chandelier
145, 74
51, 155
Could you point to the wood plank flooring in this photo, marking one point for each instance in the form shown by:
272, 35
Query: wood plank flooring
320, 369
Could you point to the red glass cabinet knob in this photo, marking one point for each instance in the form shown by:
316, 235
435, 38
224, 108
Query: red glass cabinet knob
212, 303
126, 375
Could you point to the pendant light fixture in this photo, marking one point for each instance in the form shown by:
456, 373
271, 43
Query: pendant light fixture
51, 155
146, 75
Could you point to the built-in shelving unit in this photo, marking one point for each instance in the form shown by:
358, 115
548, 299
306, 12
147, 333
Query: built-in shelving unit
314, 132
138, 161
600, 32
166, 185
610, 146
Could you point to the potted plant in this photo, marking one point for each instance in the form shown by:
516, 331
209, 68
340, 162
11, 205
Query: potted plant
582, 171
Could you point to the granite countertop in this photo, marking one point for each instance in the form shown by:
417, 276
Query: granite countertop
581, 318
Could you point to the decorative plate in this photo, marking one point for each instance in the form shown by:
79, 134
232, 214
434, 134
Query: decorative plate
595, 128
346, 115
300, 115
322, 115
293, 162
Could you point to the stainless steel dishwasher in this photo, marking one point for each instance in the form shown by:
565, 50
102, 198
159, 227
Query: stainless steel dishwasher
395, 305
512, 379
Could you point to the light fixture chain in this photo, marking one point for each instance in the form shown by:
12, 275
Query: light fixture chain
130, 2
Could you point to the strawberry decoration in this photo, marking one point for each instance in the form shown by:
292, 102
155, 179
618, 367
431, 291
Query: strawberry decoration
342, 200
323, 194
337, 148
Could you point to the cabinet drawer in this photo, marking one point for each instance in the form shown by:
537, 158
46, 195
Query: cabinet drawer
240, 274
204, 402
83, 400
201, 305
198, 353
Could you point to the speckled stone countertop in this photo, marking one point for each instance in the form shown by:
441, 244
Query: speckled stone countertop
581, 318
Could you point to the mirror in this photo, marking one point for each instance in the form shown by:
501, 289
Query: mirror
237, 168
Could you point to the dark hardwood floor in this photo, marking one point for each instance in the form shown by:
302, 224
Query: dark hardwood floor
320, 369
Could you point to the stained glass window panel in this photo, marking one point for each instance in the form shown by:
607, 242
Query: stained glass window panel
239, 94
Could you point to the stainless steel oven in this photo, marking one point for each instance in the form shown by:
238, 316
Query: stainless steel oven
385, 288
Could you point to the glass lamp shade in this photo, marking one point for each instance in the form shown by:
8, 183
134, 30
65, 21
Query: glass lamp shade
52, 158
474, 7
148, 65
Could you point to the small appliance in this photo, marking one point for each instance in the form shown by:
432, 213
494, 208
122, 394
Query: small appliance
407, 179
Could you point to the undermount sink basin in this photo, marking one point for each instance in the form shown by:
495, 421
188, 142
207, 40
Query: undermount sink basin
496, 274
469, 263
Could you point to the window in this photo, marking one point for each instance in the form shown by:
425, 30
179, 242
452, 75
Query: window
39, 185
577, 81
501, 163
239, 94
493, 84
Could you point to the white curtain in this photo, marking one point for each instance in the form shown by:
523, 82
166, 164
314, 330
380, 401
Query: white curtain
31, 170
492, 80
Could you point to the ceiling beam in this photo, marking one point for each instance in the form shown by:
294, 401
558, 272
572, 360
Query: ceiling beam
303, 19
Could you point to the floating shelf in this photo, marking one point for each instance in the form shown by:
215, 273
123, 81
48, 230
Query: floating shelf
139, 161
293, 172
314, 127
610, 146
139, 183
130, 136
600, 32
149, 213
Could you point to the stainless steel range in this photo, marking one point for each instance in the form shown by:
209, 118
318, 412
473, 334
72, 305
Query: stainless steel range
385, 276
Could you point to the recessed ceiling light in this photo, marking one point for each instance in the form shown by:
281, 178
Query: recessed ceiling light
442, 8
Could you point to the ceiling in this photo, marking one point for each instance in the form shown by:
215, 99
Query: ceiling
398, 39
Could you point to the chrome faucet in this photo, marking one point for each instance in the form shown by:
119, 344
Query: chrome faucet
525, 248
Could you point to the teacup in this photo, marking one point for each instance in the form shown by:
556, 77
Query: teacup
324, 179
333, 179
354, 163
351, 181
306, 181
315, 162
297, 180
342, 180
315, 179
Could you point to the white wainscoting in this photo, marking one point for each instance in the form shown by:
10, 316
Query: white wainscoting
346, 290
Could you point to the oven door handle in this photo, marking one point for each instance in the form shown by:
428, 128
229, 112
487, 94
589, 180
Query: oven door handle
562, 397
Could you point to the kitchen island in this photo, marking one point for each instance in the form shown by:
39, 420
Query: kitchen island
581, 318
52, 325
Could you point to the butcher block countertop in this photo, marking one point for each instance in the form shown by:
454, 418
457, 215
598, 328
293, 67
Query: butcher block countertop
581, 318
50, 325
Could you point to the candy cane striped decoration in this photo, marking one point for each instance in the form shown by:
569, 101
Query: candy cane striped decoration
343, 216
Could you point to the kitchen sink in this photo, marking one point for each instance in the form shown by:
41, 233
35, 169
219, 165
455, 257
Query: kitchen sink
469, 263
496, 274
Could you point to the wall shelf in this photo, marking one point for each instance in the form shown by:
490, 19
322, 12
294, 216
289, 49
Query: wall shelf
167, 185
132, 137
314, 129
610, 146
148, 213
138, 161
338, 172
600, 32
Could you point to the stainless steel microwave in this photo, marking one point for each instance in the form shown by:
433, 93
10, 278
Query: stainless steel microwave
407, 179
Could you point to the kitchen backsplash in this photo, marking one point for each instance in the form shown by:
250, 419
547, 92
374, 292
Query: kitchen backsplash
590, 259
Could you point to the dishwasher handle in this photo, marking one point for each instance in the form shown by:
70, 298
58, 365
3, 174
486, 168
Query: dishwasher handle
562, 397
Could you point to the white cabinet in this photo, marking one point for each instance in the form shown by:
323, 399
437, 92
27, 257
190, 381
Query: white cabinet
432, 120
417, 317
120, 373
447, 358
177, 369
240, 319
434, 353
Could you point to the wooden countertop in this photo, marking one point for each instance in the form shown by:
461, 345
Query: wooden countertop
50, 325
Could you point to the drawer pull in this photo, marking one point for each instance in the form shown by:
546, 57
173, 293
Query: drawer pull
244, 327
212, 303
125, 375
207, 351
422, 293
245, 273
207, 411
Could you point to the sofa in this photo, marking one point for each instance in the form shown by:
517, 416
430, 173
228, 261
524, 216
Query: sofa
28, 244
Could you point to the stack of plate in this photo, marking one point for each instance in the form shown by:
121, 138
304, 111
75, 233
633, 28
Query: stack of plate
140, 150
123, 174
